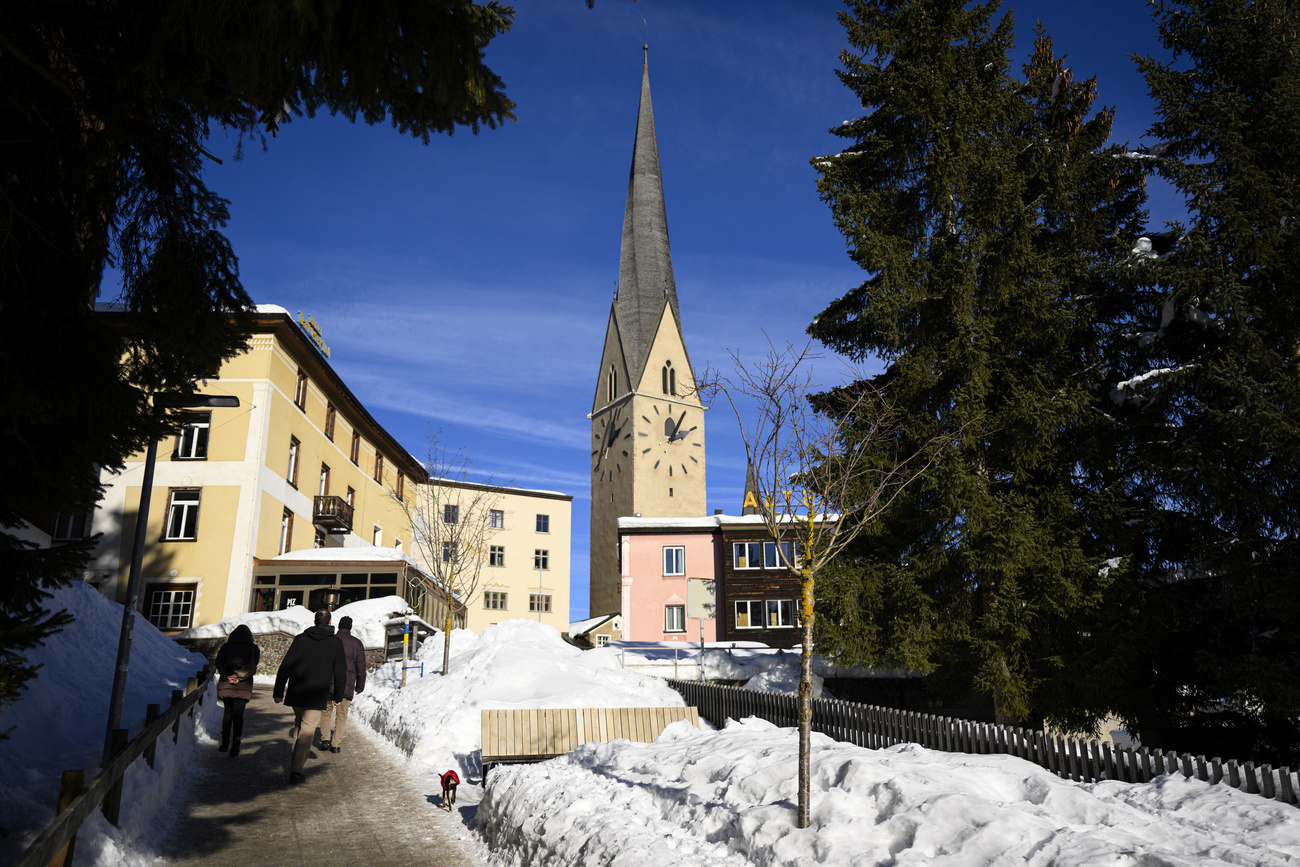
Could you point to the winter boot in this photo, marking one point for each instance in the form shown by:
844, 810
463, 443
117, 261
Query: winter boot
234, 748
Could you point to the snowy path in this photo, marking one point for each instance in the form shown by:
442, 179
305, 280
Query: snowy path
356, 807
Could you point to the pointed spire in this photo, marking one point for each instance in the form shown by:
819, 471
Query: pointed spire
645, 267
751, 505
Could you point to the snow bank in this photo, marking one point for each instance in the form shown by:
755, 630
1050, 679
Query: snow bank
514, 664
60, 718
717, 799
783, 677
367, 616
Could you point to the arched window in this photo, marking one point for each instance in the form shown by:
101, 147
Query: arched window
669, 378
611, 383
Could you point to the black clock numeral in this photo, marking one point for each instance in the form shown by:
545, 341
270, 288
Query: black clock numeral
692, 457
643, 451
683, 469
656, 466
647, 421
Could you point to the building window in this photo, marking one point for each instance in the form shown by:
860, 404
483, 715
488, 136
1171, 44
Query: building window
377, 536
494, 600
669, 378
355, 454
749, 614
170, 607
674, 618
539, 602
351, 497
543, 523
320, 539
748, 555
300, 391
770, 558
329, 421
602, 641
286, 531
324, 480
401, 485
780, 612
541, 559
450, 513
496, 519
379, 468
69, 526
292, 473
611, 384
448, 552
674, 560
497, 555
182, 516
192, 443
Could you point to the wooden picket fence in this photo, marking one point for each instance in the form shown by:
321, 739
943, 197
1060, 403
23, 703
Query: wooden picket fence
56, 844
1067, 757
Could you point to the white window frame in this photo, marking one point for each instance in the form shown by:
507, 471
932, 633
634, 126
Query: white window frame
70, 526
539, 602
771, 560
674, 618
674, 559
742, 551
542, 559
494, 600
496, 555
751, 606
286, 530
182, 598
784, 613
602, 641
192, 441
183, 515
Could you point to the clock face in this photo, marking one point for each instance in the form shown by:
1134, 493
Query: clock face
610, 447
671, 443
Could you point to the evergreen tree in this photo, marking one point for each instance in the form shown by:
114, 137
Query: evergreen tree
106, 106
1206, 386
986, 211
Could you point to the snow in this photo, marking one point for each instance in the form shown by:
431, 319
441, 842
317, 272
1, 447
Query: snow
368, 616
59, 721
362, 554
695, 798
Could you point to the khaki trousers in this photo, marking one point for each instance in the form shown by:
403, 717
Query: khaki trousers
305, 721
334, 722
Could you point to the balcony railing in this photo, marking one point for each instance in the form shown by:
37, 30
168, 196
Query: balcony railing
332, 514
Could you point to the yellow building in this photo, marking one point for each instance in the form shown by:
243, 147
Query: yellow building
523, 567
300, 466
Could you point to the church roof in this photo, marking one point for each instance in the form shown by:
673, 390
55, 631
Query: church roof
645, 266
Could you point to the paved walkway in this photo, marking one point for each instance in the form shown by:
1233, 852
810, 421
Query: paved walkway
357, 807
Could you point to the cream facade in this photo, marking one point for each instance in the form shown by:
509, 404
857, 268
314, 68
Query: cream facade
300, 464
524, 564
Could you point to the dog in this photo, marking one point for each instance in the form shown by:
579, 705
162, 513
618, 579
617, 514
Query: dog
450, 781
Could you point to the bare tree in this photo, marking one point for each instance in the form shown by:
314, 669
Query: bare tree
822, 474
451, 520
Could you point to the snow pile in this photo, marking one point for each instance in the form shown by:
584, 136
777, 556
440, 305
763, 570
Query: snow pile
58, 724
783, 677
715, 799
368, 617
514, 664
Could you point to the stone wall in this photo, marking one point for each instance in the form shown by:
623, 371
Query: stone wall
273, 646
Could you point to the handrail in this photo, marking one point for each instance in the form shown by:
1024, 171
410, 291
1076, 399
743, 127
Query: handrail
66, 824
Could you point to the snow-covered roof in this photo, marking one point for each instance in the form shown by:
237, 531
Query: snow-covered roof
708, 523
344, 555
579, 627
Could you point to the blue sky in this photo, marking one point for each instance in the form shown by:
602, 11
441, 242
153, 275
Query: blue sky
464, 286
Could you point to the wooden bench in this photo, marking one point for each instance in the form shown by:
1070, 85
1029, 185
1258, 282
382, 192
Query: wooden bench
513, 736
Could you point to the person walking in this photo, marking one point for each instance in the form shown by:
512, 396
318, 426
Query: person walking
334, 722
236, 662
309, 678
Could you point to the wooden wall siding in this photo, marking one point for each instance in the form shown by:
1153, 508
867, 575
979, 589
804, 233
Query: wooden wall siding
1070, 758
521, 735
737, 584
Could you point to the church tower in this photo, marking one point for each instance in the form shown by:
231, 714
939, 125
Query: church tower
647, 422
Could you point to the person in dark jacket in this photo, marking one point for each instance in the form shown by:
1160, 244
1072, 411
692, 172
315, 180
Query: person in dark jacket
310, 677
334, 722
236, 664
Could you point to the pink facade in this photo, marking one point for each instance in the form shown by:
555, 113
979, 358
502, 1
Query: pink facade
655, 569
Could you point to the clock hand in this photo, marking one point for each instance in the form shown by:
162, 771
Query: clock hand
677, 428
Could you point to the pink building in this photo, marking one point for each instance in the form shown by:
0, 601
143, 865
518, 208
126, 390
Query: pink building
657, 556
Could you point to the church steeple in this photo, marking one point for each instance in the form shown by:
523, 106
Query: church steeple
645, 266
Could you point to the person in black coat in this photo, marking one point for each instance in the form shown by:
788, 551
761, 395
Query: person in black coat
312, 667
236, 664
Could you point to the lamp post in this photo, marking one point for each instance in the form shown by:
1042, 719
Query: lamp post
118, 695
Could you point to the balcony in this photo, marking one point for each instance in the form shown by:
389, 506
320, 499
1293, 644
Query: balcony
332, 514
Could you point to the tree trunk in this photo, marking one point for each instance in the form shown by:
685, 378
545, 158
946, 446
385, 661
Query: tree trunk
805, 705
446, 632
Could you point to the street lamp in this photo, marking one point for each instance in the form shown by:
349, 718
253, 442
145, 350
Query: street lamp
118, 695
